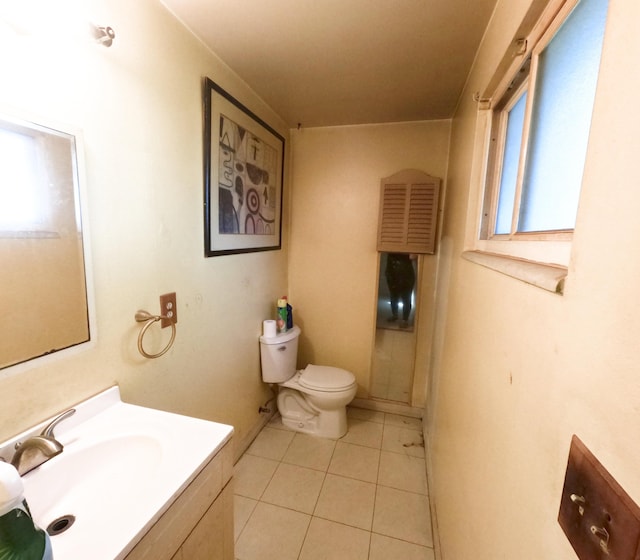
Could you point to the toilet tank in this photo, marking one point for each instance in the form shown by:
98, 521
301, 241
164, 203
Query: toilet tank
278, 356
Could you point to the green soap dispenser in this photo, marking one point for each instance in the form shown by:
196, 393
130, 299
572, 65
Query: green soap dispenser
20, 538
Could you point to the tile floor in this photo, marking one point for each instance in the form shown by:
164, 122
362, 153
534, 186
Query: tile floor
364, 496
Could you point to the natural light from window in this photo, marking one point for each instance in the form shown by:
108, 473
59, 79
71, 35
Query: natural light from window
508, 181
20, 190
560, 122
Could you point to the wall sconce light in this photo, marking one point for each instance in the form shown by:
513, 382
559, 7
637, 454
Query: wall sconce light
103, 35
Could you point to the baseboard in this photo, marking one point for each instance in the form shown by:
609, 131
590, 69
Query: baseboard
384, 406
432, 500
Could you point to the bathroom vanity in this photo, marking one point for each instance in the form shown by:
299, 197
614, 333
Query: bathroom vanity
199, 524
133, 483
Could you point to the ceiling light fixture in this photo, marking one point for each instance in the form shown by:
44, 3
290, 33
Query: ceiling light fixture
103, 35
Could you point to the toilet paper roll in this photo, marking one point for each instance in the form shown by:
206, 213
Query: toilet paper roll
269, 328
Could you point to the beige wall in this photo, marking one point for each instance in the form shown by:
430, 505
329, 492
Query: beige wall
138, 105
520, 370
333, 260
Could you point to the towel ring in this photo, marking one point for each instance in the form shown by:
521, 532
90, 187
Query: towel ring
146, 317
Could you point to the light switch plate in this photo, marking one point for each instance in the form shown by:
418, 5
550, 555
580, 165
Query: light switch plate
598, 517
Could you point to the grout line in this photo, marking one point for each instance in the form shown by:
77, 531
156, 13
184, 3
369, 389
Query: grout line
402, 540
324, 480
375, 496
306, 533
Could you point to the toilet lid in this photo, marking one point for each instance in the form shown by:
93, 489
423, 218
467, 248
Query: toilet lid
326, 378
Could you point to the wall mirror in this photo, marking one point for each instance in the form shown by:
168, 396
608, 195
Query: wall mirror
45, 290
395, 342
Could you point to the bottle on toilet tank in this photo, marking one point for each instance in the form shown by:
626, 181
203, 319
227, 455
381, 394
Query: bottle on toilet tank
281, 318
289, 316
20, 537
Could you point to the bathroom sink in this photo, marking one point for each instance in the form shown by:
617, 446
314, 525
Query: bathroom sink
121, 468
84, 476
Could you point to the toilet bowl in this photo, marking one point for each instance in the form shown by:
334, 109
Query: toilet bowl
312, 400
318, 408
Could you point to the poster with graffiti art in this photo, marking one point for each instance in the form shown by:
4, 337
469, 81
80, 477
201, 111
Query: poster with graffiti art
243, 177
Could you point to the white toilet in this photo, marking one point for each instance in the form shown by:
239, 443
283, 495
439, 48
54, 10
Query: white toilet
313, 400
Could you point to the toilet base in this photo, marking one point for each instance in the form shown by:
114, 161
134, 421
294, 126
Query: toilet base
301, 416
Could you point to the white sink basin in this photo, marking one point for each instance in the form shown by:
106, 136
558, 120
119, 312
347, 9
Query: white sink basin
100, 473
121, 468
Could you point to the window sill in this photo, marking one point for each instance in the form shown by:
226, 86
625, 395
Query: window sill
546, 276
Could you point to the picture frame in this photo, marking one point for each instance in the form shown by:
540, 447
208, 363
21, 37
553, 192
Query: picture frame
243, 177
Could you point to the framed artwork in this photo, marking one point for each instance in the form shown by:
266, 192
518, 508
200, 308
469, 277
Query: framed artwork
243, 177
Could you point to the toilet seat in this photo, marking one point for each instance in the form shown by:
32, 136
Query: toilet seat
326, 378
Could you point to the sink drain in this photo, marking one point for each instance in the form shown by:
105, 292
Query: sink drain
61, 524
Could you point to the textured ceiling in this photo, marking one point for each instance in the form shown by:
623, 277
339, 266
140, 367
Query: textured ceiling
337, 62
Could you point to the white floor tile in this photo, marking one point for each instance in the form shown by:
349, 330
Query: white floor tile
364, 433
403, 440
272, 533
327, 540
403, 515
386, 548
294, 487
242, 510
403, 472
355, 461
252, 474
271, 443
364, 497
347, 501
310, 451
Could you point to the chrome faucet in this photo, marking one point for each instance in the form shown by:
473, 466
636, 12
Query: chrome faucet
34, 451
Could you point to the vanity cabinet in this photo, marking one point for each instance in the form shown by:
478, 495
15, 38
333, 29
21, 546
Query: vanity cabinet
199, 523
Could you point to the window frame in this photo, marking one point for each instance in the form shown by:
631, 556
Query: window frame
499, 129
552, 246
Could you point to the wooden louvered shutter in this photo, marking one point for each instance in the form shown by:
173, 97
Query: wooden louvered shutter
408, 212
